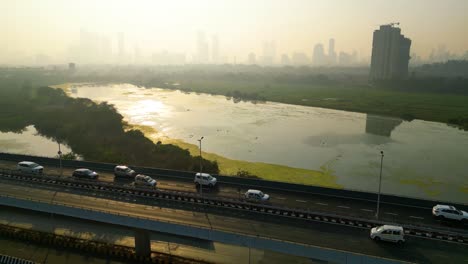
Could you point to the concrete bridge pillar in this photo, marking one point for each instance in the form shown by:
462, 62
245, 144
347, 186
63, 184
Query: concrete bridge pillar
142, 243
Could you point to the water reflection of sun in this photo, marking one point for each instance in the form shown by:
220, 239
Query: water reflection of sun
145, 107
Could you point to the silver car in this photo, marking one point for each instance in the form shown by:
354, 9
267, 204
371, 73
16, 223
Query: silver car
30, 167
143, 180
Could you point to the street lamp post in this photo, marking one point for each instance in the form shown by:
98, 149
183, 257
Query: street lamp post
60, 158
201, 166
380, 185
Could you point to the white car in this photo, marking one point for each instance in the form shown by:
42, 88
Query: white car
205, 179
388, 233
124, 171
256, 195
30, 167
449, 212
144, 180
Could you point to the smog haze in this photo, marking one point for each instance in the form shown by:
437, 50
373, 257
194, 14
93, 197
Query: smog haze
52, 31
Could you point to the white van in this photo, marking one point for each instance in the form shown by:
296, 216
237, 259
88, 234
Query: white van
256, 195
30, 167
124, 171
388, 233
143, 180
205, 179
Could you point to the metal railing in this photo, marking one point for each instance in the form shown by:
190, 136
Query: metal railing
252, 237
453, 235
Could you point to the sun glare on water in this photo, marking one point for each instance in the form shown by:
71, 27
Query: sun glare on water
148, 107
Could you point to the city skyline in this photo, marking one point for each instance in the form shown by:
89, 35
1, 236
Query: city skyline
238, 29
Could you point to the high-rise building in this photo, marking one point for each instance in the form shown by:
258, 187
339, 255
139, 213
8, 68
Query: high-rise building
318, 57
331, 52
215, 49
285, 59
252, 59
269, 53
202, 48
390, 54
299, 59
121, 44
71, 66
346, 59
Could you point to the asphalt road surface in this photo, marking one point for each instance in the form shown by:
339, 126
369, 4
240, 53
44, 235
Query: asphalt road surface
318, 234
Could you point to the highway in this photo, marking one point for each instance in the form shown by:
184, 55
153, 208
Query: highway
318, 234
320, 203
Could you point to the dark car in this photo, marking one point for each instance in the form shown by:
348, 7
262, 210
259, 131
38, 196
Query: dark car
85, 173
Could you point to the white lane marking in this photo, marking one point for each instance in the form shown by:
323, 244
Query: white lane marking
416, 217
391, 213
342, 206
321, 203
280, 198
367, 210
301, 201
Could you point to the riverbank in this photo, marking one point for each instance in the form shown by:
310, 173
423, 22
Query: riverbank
273, 172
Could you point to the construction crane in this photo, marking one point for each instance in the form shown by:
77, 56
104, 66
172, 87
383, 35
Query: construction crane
394, 24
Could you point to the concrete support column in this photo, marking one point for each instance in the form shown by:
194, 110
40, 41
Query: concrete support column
142, 243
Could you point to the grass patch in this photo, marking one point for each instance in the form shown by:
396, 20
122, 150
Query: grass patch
429, 186
325, 177
464, 189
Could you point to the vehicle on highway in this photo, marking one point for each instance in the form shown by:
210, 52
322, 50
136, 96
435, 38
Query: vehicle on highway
256, 195
388, 233
205, 179
30, 167
449, 212
124, 171
85, 173
144, 180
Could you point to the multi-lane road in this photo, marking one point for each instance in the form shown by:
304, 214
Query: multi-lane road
397, 213
317, 234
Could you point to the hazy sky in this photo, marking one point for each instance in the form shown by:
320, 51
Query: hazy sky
29, 27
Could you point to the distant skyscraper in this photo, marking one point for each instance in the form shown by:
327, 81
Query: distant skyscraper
202, 48
269, 53
120, 47
71, 66
137, 55
346, 59
121, 44
318, 57
331, 52
252, 59
390, 54
300, 59
285, 59
215, 49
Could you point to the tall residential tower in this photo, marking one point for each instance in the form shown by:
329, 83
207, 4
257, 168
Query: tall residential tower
390, 54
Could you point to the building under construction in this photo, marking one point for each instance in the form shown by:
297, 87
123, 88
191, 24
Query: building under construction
390, 54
